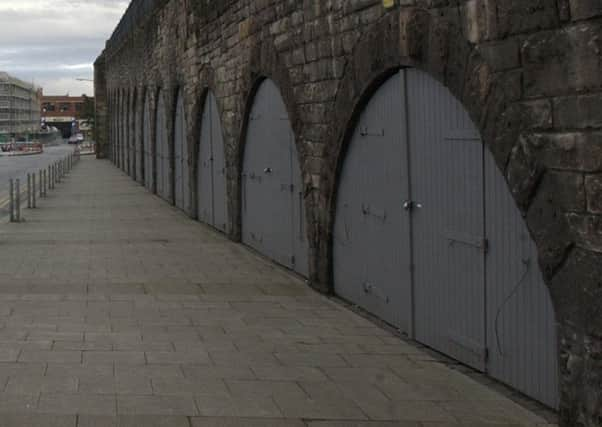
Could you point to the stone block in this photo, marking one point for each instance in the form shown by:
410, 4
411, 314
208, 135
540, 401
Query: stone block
222, 406
558, 193
132, 421
579, 111
593, 189
157, 405
73, 404
414, 29
585, 9
14, 420
519, 16
480, 19
244, 422
30, 385
501, 55
556, 62
586, 230
576, 151
122, 357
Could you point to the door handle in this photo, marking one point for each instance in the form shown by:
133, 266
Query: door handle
267, 171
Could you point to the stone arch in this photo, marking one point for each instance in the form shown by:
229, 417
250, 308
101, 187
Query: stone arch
469, 79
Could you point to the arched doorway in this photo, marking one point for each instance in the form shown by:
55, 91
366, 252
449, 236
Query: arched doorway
138, 139
126, 133
428, 237
119, 128
273, 216
163, 152
181, 185
148, 145
132, 135
211, 176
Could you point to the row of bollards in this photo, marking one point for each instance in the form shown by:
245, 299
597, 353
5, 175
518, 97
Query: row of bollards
39, 184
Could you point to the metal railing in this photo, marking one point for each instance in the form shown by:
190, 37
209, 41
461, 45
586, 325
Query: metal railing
38, 185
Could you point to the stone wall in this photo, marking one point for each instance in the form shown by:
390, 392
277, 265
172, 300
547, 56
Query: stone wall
529, 73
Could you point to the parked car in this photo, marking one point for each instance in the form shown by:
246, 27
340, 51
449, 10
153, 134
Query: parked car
76, 139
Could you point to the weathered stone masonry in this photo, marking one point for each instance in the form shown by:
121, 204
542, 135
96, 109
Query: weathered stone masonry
529, 73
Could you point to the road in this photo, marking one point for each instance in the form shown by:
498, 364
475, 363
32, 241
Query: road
19, 167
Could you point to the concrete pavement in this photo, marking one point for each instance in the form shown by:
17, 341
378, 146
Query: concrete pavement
118, 310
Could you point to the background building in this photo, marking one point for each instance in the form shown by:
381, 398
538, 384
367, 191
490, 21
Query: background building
69, 114
19, 107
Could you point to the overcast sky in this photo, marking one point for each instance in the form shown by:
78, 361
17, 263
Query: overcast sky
53, 42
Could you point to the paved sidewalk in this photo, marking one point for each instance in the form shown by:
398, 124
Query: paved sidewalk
118, 310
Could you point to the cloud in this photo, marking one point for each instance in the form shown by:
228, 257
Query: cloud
52, 42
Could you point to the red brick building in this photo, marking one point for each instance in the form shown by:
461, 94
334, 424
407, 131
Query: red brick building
62, 106
62, 111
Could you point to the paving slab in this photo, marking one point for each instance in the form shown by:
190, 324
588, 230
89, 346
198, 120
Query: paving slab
117, 309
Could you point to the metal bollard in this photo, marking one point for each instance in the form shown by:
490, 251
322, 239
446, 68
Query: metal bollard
41, 184
45, 184
12, 200
28, 191
18, 200
33, 193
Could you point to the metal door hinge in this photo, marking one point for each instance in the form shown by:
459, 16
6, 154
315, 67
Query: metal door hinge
371, 289
464, 239
368, 210
365, 131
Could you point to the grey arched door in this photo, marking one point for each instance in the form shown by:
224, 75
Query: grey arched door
181, 186
428, 237
272, 207
148, 145
163, 152
119, 120
138, 141
126, 134
132, 136
211, 184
